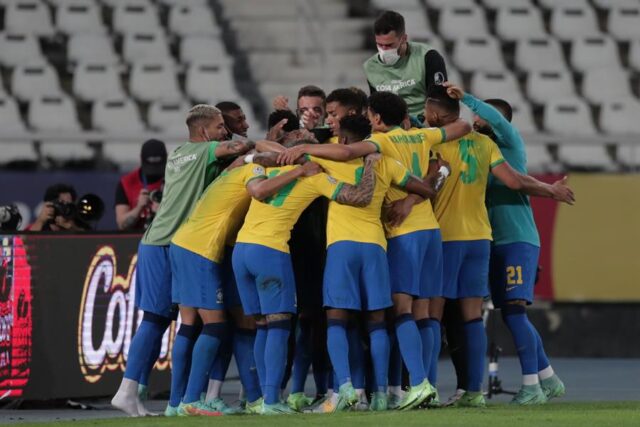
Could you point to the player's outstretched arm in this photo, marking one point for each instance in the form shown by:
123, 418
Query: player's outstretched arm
264, 145
455, 130
266, 187
529, 185
336, 152
360, 195
226, 149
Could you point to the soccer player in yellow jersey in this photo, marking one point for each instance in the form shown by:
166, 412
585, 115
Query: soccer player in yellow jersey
263, 270
466, 232
342, 103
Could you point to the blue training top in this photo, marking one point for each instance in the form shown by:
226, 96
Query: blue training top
509, 211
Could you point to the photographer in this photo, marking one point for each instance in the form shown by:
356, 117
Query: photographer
139, 192
59, 211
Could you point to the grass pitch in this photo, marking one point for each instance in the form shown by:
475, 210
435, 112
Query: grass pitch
584, 414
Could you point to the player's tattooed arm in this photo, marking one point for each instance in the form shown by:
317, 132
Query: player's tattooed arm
337, 152
527, 184
262, 188
227, 149
360, 195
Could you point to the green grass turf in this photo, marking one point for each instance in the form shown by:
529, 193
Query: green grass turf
584, 414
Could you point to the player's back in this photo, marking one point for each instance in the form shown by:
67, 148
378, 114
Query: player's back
460, 204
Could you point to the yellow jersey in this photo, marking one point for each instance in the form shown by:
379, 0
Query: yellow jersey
269, 222
333, 140
460, 204
361, 224
218, 215
411, 148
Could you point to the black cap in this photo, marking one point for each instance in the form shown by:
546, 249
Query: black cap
153, 157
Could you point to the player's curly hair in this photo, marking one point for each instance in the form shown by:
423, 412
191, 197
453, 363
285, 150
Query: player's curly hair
391, 107
439, 95
348, 98
357, 127
292, 121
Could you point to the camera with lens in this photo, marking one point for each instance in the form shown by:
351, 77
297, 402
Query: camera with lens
156, 196
63, 209
10, 218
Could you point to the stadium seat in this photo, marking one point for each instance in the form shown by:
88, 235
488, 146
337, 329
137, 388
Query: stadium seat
608, 4
280, 9
59, 3
594, 52
79, 17
497, 4
543, 85
146, 46
34, 81
154, 82
624, 22
634, 54
65, 150
206, 81
604, 84
522, 117
115, 3
28, 16
10, 121
590, 157
555, 4
496, 85
116, 115
192, 20
125, 153
538, 158
416, 24
414, 5
16, 49
629, 155
478, 54
53, 113
193, 48
90, 48
168, 116
135, 17
96, 80
620, 116
568, 116
439, 4
515, 23
570, 22
461, 22
537, 54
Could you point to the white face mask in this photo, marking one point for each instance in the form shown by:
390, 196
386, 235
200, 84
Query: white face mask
389, 56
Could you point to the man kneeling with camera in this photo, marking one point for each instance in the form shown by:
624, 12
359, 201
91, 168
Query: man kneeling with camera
59, 211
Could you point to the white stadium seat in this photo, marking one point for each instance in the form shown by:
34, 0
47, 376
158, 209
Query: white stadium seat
16, 49
116, 115
608, 4
604, 84
634, 54
90, 48
515, 23
620, 116
146, 46
184, 2
10, 121
555, 4
543, 85
624, 22
154, 82
53, 113
629, 155
28, 16
568, 116
460, 22
585, 156
397, 4
137, 17
536, 54
206, 81
416, 24
439, 4
65, 150
538, 158
594, 52
168, 116
496, 85
79, 17
34, 80
194, 48
522, 117
570, 22
496, 4
96, 80
192, 20
478, 54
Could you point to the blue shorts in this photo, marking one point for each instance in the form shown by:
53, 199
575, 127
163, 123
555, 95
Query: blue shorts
466, 268
415, 263
265, 279
197, 281
356, 277
513, 270
231, 296
153, 281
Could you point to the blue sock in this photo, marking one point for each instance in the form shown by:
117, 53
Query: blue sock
410, 344
144, 376
204, 353
223, 358
338, 346
356, 357
181, 361
275, 358
302, 356
380, 349
258, 354
476, 347
243, 345
431, 353
543, 360
524, 338
395, 362
144, 343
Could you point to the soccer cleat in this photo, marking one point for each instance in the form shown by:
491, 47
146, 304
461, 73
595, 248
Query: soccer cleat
219, 405
435, 402
552, 387
416, 395
393, 401
379, 401
529, 395
196, 409
253, 408
360, 406
471, 399
171, 411
346, 397
276, 409
143, 392
324, 405
298, 401
454, 397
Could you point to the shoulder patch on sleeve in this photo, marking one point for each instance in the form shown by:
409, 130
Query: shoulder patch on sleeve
258, 170
332, 180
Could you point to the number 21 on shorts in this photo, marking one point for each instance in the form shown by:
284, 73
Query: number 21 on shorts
514, 275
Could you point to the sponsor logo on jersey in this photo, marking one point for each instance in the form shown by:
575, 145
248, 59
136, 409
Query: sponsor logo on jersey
395, 85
